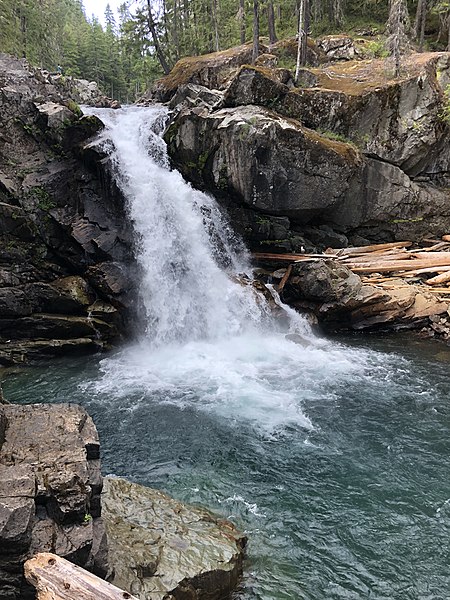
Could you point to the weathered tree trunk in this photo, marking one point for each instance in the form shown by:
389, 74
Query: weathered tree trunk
215, 24
176, 37
448, 32
242, 20
58, 579
338, 13
255, 31
271, 21
159, 52
302, 39
398, 28
419, 23
23, 30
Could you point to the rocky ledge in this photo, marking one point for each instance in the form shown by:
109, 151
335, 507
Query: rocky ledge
50, 485
66, 250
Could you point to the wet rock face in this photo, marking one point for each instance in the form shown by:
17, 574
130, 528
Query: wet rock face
61, 217
50, 485
163, 549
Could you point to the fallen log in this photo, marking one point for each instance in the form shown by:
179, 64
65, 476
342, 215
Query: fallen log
436, 247
428, 255
401, 265
438, 269
442, 291
58, 579
443, 278
366, 249
290, 257
446, 238
284, 279
372, 256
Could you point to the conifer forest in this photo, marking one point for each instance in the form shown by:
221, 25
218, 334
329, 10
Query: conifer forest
147, 37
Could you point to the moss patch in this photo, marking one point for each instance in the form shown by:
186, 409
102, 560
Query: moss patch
187, 69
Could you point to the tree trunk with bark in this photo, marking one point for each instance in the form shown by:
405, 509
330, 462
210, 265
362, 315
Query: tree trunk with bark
419, 23
241, 17
215, 25
398, 28
302, 38
271, 21
159, 51
255, 31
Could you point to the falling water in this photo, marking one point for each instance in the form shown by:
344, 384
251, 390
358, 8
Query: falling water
189, 257
210, 339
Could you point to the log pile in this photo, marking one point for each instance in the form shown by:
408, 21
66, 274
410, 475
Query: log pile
382, 286
385, 265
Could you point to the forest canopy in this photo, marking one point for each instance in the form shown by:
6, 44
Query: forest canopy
128, 52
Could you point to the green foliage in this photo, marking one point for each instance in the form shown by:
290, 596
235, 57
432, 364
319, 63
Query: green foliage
445, 112
42, 198
337, 137
73, 106
375, 49
121, 55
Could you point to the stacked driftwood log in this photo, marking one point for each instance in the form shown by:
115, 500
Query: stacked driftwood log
385, 265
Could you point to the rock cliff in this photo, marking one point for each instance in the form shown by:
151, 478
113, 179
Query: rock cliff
353, 152
65, 244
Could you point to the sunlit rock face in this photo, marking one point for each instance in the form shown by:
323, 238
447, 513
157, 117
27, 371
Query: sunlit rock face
352, 149
164, 549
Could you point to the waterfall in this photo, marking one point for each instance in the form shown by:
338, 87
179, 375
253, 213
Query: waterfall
209, 340
195, 282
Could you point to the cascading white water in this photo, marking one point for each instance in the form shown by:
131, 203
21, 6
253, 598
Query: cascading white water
210, 341
186, 249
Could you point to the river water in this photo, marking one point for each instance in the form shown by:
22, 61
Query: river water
331, 454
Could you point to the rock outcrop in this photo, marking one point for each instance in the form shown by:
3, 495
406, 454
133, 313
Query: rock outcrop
270, 163
395, 120
50, 485
210, 70
162, 549
341, 301
63, 231
360, 153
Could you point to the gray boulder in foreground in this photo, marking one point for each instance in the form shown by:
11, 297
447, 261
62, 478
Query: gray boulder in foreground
50, 486
161, 549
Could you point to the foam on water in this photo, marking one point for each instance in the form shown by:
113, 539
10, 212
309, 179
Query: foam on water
210, 340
